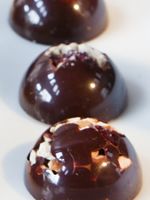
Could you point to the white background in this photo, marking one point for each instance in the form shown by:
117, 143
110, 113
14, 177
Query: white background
126, 41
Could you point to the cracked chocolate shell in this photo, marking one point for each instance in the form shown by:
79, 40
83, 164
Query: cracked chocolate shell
58, 21
70, 81
82, 159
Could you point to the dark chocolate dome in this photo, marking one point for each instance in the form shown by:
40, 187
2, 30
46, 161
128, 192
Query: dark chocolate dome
58, 21
72, 80
81, 159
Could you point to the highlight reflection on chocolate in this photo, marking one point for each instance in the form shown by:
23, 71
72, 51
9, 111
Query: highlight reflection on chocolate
82, 159
72, 80
54, 22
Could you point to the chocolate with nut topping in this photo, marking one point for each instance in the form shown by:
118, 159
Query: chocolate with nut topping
72, 80
82, 159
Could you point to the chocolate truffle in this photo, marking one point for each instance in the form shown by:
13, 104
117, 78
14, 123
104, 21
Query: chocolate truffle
58, 21
82, 159
70, 81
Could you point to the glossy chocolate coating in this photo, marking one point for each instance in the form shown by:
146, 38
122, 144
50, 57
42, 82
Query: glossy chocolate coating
90, 161
58, 21
57, 87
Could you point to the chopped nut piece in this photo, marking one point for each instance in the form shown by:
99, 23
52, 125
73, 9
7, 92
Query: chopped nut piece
45, 151
54, 165
124, 162
32, 157
96, 158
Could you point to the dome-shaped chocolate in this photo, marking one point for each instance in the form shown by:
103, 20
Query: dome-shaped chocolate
58, 21
83, 159
72, 80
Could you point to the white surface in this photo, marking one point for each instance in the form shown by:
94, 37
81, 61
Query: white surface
126, 40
